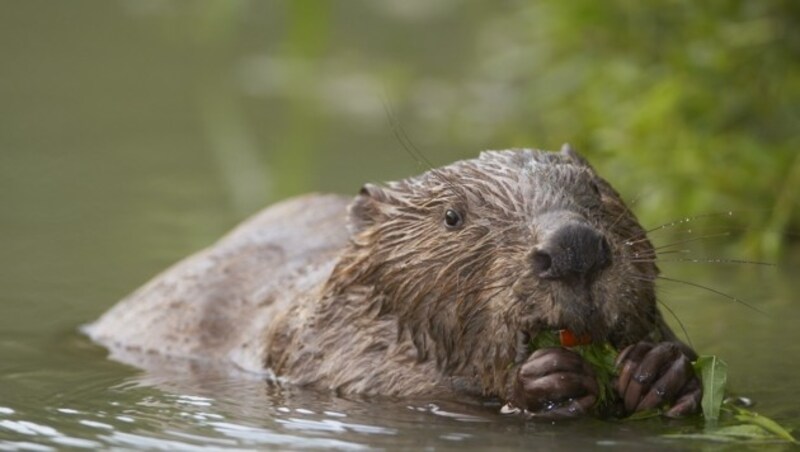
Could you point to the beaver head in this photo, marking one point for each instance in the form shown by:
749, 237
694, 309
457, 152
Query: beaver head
474, 258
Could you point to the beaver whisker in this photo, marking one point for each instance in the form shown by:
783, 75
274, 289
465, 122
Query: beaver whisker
645, 278
712, 290
685, 220
635, 240
658, 249
699, 286
642, 237
706, 261
693, 239
626, 210
412, 150
683, 251
655, 256
677, 319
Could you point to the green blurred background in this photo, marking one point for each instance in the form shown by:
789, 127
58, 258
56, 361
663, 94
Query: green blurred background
157, 125
687, 107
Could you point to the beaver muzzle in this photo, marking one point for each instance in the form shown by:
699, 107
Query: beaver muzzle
574, 253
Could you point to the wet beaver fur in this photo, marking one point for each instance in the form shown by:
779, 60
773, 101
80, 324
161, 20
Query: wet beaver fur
430, 286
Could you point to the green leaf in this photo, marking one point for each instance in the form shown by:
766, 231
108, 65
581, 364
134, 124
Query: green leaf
642, 415
714, 374
733, 433
764, 422
601, 357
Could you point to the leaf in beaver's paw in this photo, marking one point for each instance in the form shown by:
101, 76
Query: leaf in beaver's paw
714, 374
601, 357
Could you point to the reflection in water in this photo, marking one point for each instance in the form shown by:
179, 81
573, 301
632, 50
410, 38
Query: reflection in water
206, 410
42, 433
103, 404
109, 405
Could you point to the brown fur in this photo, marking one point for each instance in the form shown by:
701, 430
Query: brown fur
387, 299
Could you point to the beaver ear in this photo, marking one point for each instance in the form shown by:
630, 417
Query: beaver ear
365, 210
568, 151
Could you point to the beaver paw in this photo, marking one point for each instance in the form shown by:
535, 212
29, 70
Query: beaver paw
555, 383
657, 375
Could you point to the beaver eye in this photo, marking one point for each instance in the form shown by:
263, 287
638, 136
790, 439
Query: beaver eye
453, 219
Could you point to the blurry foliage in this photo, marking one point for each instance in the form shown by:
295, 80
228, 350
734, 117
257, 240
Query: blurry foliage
688, 108
692, 106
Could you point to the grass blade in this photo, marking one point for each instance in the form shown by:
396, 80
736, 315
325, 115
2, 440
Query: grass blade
714, 374
765, 423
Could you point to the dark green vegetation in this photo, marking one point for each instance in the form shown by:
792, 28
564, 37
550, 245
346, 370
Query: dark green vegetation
693, 106
724, 420
600, 356
689, 107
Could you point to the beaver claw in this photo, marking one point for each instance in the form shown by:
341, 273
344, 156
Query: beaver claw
555, 383
657, 375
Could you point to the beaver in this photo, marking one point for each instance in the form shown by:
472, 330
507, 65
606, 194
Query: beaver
428, 287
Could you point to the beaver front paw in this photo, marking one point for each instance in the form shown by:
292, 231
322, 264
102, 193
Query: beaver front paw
657, 375
555, 383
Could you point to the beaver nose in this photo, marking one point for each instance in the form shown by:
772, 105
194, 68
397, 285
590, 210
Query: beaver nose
574, 251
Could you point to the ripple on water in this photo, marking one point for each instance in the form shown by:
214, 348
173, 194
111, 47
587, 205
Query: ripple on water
95, 424
261, 436
193, 412
41, 433
24, 445
334, 426
28, 428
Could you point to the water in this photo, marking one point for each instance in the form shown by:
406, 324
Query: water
134, 133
